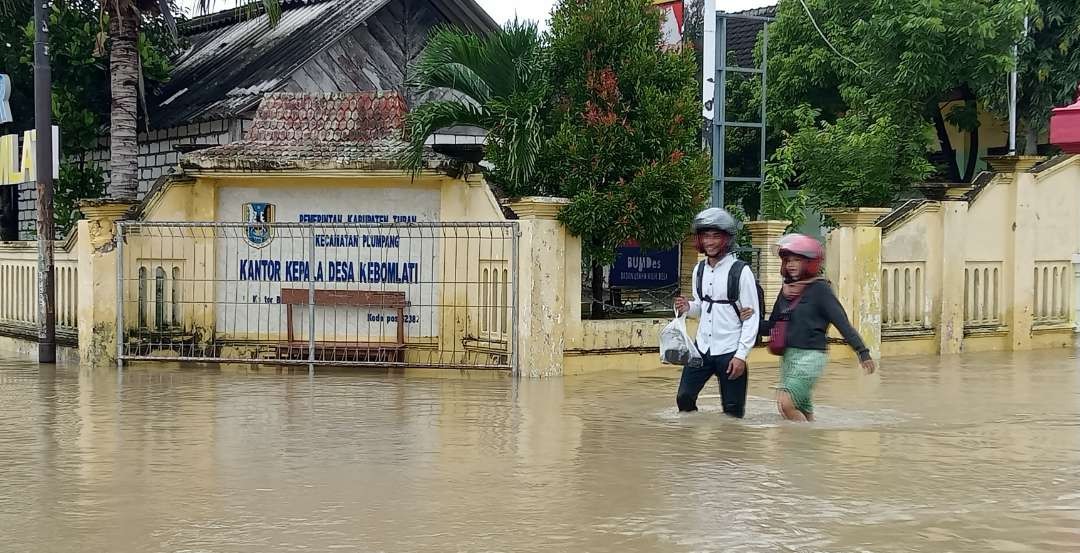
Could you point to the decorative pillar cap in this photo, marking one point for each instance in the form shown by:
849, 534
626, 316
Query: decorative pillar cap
1013, 164
537, 207
769, 226
857, 216
111, 210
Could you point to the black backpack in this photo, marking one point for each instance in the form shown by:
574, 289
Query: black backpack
733, 295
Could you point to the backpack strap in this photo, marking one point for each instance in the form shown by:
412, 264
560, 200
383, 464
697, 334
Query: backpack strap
733, 281
700, 274
734, 275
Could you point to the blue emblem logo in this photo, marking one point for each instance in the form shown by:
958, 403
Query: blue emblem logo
258, 216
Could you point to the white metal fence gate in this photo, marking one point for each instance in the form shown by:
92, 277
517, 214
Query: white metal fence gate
436, 295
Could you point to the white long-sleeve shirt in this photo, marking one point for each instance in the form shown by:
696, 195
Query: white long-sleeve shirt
721, 331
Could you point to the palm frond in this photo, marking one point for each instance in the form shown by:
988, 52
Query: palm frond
520, 133
448, 61
272, 8
424, 120
165, 7
482, 67
13, 8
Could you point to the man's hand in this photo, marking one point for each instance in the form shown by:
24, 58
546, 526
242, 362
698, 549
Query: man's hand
869, 366
736, 368
746, 313
681, 305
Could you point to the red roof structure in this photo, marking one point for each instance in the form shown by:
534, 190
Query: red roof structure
1065, 127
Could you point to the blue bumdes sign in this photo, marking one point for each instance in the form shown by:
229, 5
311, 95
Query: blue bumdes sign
644, 269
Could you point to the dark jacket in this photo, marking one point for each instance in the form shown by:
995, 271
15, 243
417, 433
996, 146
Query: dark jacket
809, 323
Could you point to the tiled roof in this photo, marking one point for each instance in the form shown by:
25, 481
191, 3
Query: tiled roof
742, 35
361, 130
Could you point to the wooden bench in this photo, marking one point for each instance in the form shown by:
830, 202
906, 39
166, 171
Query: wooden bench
332, 350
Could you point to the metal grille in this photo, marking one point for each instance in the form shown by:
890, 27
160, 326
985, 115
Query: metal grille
630, 302
438, 295
721, 124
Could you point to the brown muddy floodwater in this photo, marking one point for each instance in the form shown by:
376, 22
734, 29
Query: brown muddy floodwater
980, 453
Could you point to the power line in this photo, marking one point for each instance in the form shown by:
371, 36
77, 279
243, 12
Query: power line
823, 37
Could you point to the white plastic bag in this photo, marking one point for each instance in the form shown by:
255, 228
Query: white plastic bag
676, 346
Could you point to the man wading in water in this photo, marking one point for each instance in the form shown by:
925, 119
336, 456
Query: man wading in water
723, 338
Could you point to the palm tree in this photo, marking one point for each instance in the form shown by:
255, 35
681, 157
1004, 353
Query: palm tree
495, 82
125, 74
123, 18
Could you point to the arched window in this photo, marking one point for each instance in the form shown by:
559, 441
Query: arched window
176, 296
159, 298
142, 297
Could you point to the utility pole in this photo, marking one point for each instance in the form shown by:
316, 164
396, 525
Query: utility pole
43, 168
1013, 96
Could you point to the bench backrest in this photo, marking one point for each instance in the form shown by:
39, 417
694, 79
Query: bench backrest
347, 298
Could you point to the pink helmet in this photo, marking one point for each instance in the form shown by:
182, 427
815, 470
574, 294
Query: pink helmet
805, 247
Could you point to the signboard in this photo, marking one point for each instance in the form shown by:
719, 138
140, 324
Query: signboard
11, 170
14, 172
635, 268
672, 26
5, 99
351, 251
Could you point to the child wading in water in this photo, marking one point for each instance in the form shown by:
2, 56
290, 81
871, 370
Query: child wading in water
799, 324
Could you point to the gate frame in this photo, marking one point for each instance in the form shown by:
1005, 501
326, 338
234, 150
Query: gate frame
515, 236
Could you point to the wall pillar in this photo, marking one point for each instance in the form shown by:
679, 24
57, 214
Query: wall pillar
542, 287
1076, 292
98, 303
857, 280
1020, 303
688, 260
764, 236
953, 261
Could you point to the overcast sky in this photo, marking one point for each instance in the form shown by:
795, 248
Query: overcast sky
505, 10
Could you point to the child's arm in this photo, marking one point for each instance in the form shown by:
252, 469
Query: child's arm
772, 315
838, 318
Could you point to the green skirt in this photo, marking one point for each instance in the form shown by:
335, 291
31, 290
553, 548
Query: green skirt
800, 369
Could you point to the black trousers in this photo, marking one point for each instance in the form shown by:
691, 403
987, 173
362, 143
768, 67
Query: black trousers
732, 392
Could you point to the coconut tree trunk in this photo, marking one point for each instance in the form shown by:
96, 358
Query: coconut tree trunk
124, 77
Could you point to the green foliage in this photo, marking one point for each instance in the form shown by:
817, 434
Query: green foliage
903, 59
1048, 69
498, 83
77, 181
861, 160
622, 137
908, 52
80, 92
778, 202
743, 239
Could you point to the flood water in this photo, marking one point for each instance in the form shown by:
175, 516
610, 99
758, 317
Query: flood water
980, 453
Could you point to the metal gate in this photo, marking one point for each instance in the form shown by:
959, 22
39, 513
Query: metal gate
430, 295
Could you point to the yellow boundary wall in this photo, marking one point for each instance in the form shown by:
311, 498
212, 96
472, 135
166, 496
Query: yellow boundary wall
994, 270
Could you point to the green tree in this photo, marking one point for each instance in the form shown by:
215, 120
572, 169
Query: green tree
905, 58
622, 137
125, 19
496, 82
1049, 69
120, 32
80, 99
